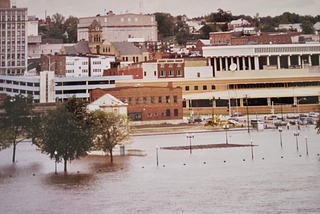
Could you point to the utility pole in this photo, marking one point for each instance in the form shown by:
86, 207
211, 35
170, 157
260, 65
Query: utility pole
247, 112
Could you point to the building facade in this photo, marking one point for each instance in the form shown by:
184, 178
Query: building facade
13, 47
147, 103
120, 28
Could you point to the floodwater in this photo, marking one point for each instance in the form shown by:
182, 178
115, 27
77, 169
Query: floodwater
225, 180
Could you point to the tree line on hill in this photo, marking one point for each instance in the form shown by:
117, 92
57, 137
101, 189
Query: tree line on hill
176, 30
65, 133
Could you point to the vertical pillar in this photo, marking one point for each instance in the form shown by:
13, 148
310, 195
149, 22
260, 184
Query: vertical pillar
268, 60
244, 63
220, 59
241, 102
295, 100
238, 64
227, 66
268, 101
278, 62
309, 59
215, 65
256, 63
299, 60
249, 61
289, 61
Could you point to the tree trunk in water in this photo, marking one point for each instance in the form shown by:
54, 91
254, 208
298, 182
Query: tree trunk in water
65, 165
111, 155
14, 152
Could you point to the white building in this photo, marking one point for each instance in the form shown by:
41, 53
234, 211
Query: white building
80, 66
120, 28
150, 70
108, 103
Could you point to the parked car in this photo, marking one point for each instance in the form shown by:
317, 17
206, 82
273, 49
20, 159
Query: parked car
271, 117
294, 122
237, 114
233, 122
255, 122
194, 120
280, 123
279, 116
308, 120
292, 116
233, 118
313, 114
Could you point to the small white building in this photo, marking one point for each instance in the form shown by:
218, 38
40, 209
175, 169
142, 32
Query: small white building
150, 70
79, 66
108, 103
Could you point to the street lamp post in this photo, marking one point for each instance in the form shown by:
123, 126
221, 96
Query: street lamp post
157, 155
190, 136
280, 131
212, 103
296, 134
307, 145
226, 127
298, 105
55, 167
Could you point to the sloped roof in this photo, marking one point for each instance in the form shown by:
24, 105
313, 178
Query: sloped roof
81, 47
205, 41
95, 24
105, 100
126, 48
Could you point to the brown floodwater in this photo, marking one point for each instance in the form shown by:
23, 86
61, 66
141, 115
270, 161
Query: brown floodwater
220, 180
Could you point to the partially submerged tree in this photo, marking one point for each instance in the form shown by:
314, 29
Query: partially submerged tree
15, 121
111, 130
63, 137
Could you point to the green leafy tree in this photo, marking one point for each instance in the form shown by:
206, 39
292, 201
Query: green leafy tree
181, 30
307, 27
63, 137
15, 121
77, 107
111, 130
165, 24
70, 25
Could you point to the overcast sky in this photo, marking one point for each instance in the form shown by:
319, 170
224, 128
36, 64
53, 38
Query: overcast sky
192, 8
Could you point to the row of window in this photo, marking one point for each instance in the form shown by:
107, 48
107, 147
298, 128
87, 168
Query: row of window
9, 41
196, 88
97, 62
19, 83
274, 85
168, 113
13, 18
170, 73
12, 48
13, 63
11, 71
170, 65
152, 100
19, 91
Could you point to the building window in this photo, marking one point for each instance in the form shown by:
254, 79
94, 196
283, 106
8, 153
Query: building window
85, 63
175, 99
152, 100
171, 73
179, 72
122, 99
170, 65
198, 74
213, 87
178, 64
187, 88
167, 99
159, 99
145, 73
149, 115
196, 88
162, 73
155, 73
84, 70
176, 113
204, 87
161, 65
130, 100
156, 114
168, 112
162, 114
144, 100
137, 100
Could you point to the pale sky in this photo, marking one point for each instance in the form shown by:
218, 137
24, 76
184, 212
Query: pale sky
192, 8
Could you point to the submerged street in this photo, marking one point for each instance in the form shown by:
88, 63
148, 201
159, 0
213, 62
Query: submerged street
219, 180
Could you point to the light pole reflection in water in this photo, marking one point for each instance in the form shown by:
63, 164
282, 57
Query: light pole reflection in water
190, 136
226, 127
280, 131
296, 134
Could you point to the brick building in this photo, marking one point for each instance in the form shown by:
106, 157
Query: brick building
147, 103
171, 68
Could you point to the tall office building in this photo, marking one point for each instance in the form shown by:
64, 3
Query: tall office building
13, 35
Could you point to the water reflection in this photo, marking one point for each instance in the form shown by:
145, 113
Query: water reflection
69, 181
